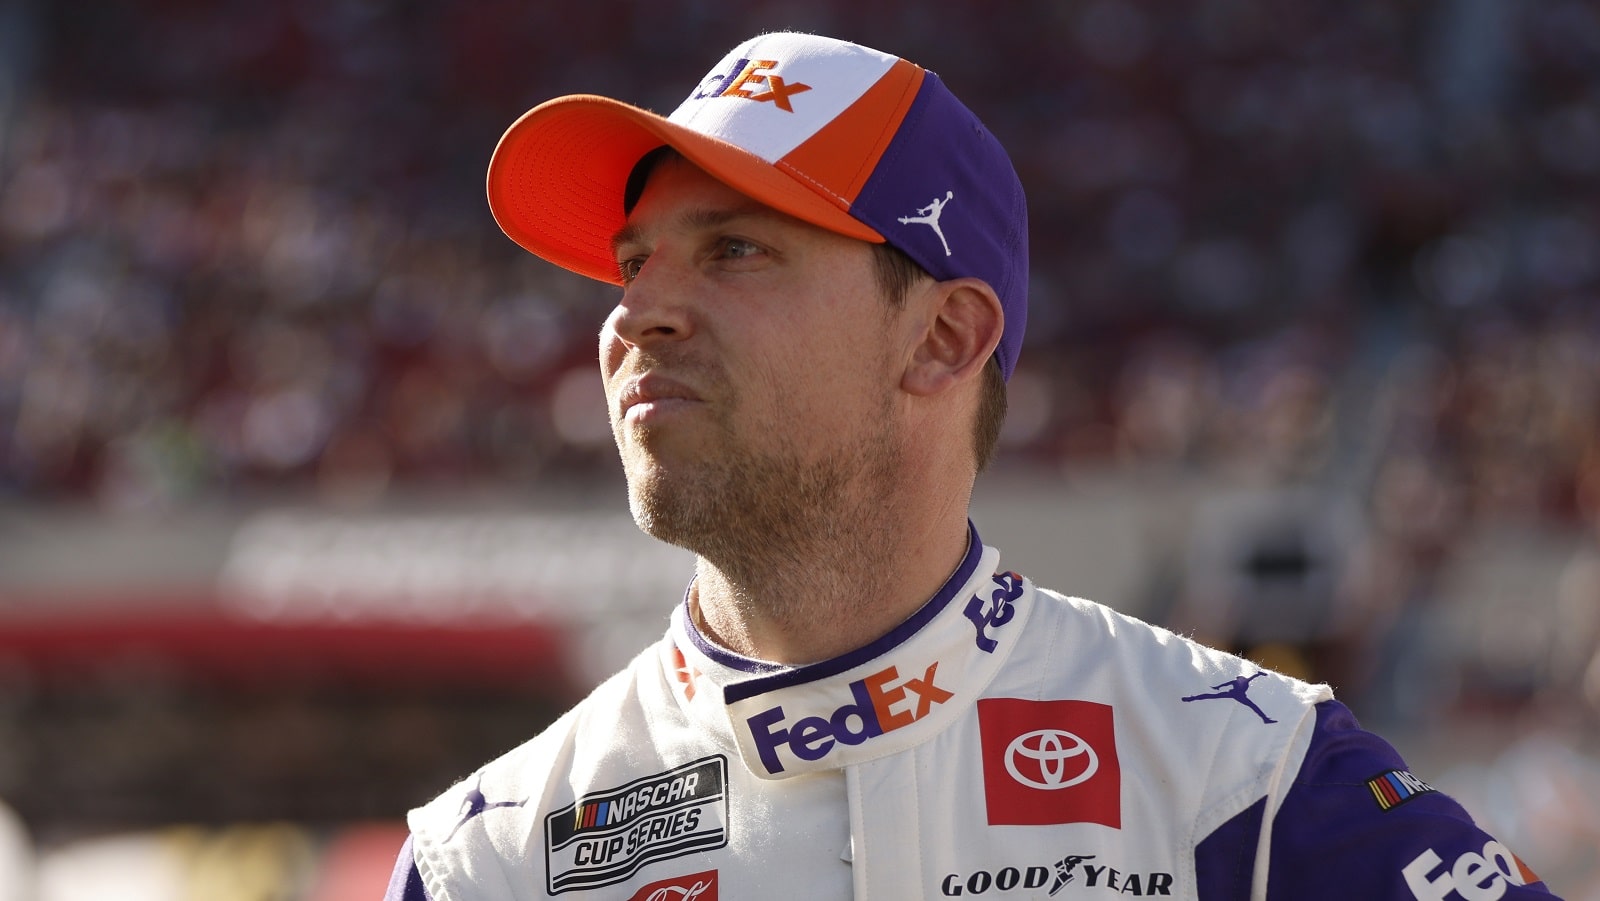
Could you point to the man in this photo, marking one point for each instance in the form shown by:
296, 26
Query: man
824, 269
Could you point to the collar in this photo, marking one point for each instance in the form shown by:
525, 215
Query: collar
882, 698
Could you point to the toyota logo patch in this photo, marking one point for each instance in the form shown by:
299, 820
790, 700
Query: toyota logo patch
1047, 762
1051, 759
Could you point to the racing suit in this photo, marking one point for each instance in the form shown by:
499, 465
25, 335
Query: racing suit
1004, 742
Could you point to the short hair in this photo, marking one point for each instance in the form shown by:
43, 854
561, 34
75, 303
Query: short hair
897, 274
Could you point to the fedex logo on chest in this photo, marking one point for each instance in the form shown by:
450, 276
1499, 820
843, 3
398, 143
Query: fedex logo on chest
752, 79
880, 702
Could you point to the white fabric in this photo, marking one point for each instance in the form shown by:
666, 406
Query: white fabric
835, 74
909, 812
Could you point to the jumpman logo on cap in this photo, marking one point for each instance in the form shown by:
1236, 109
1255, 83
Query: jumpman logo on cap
1236, 688
929, 216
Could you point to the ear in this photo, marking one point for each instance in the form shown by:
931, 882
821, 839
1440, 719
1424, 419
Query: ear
963, 329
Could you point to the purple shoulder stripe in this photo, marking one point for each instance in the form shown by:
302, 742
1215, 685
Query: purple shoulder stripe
1357, 824
406, 883
1225, 861
1356, 811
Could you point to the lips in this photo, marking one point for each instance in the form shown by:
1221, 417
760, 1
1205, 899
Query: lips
652, 393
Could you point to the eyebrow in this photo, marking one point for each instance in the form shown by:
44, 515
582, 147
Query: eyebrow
695, 219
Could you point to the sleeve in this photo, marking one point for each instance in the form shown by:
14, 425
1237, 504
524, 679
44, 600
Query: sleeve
406, 883
1356, 824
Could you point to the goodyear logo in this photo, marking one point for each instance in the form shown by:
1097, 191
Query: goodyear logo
752, 79
605, 837
883, 702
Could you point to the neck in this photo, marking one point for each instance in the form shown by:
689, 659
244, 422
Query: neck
822, 592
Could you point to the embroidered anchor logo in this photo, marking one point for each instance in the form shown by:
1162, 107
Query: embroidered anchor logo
1235, 688
929, 216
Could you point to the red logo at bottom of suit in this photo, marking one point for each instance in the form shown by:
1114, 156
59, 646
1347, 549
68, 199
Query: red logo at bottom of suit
693, 887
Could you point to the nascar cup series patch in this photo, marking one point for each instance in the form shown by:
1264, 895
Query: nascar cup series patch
1395, 787
605, 837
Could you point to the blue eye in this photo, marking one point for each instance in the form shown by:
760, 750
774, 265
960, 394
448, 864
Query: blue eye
739, 249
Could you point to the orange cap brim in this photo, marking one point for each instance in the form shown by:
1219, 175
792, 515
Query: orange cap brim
557, 177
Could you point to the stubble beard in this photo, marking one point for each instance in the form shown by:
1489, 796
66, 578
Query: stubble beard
775, 529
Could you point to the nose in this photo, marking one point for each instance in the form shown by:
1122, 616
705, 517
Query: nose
654, 308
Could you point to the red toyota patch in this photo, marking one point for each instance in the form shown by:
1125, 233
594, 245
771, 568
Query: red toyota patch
693, 887
1049, 762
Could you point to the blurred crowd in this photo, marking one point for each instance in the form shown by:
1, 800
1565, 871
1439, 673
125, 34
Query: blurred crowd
246, 248
244, 251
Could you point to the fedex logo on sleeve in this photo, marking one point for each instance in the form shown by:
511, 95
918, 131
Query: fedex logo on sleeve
882, 702
1472, 877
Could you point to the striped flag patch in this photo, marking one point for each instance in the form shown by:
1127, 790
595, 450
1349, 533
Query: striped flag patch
1396, 787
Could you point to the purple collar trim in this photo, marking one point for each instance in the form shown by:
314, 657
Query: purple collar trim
773, 676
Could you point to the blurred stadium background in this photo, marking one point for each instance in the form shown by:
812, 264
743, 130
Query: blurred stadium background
307, 504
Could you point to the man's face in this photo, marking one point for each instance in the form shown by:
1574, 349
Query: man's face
751, 367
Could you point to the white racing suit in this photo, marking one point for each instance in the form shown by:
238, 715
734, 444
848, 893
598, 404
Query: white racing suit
1004, 743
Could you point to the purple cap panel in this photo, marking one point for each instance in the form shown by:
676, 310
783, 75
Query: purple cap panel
945, 193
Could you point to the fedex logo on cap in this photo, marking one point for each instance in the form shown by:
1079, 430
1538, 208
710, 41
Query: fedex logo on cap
747, 79
773, 94
875, 711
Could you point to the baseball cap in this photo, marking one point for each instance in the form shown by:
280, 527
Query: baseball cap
842, 136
